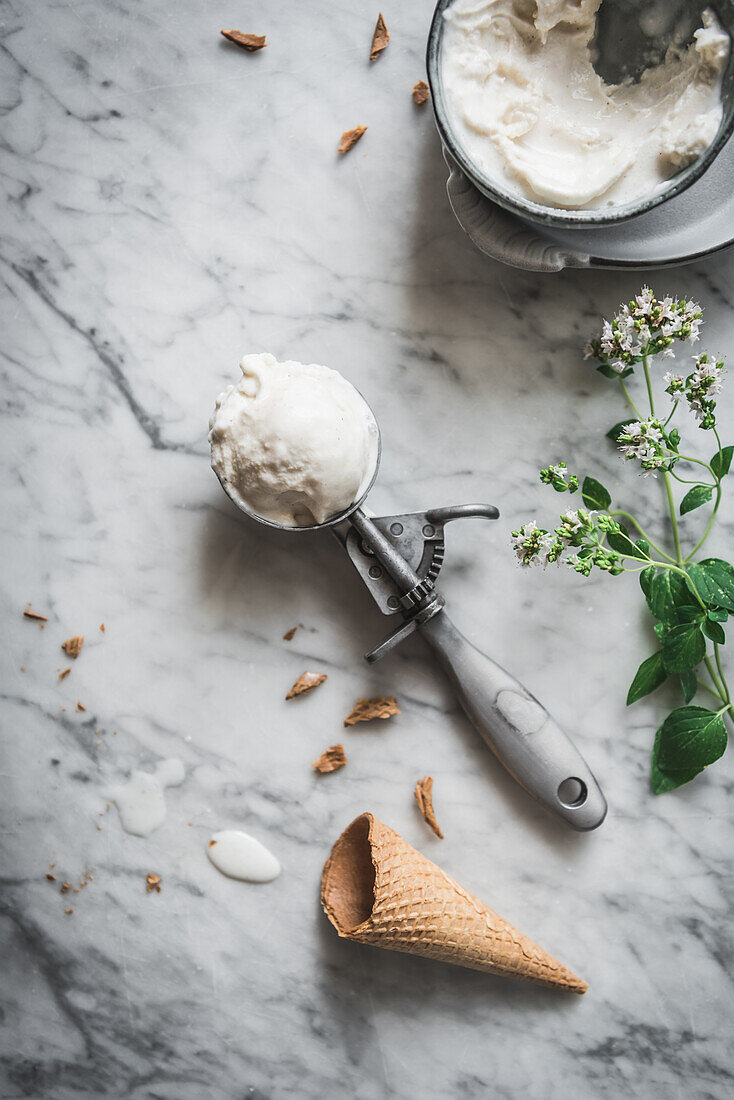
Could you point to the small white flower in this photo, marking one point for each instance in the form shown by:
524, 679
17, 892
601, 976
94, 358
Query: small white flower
642, 440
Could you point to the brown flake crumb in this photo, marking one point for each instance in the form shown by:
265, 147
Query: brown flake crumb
305, 683
22, 668
35, 616
330, 761
364, 710
101, 627
380, 38
350, 138
65, 887
68, 911
290, 634
50, 877
421, 93
212, 843
73, 646
424, 797
80, 706
153, 882
64, 673
249, 42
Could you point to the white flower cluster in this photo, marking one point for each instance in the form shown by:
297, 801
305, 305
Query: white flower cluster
700, 388
645, 326
533, 545
644, 441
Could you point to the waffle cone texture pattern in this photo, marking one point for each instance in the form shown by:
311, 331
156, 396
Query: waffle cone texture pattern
377, 889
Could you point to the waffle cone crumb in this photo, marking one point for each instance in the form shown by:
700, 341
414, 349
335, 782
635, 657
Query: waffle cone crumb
330, 761
350, 138
380, 38
364, 710
153, 882
73, 646
424, 797
35, 616
306, 682
421, 93
249, 42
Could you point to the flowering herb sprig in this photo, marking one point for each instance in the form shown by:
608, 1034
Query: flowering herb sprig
689, 598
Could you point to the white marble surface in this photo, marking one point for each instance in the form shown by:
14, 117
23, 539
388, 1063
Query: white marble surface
170, 203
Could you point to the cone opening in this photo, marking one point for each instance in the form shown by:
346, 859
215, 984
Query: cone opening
349, 889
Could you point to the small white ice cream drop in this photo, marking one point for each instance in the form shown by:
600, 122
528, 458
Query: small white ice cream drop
294, 443
238, 855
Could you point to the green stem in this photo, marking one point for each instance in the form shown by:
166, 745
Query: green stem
648, 383
643, 532
709, 525
689, 481
673, 517
630, 402
721, 673
666, 475
698, 462
711, 691
717, 683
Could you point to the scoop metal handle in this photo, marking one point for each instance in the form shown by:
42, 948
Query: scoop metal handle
519, 731
517, 728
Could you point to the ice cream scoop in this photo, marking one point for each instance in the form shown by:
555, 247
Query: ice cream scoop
294, 444
398, 558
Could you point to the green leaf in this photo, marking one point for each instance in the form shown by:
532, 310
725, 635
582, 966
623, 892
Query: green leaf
595, 495
674, 438
689, 684
689, 613
650, 675
695, 497
714, 631
646, 579
625, 546
669, 592
713, 579
721, 461
661, 629
644, 545
661, 781
717, 615
614, 432
683, 647
609, 372
690, 738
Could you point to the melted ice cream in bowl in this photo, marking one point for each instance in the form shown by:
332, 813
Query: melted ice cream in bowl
582, 112
294, 445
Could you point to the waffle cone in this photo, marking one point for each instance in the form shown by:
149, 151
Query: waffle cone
377, 889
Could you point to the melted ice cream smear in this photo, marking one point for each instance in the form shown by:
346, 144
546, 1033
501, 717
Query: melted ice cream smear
531, 112
238, 855
141, 803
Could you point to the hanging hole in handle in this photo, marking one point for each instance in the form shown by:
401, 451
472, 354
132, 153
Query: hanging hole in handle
572, 791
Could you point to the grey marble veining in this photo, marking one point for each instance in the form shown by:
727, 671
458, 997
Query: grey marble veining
171, 202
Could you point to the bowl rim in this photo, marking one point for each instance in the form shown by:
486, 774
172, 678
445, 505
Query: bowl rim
537, 212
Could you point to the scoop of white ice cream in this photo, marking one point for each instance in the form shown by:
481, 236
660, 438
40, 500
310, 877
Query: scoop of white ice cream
295, 443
